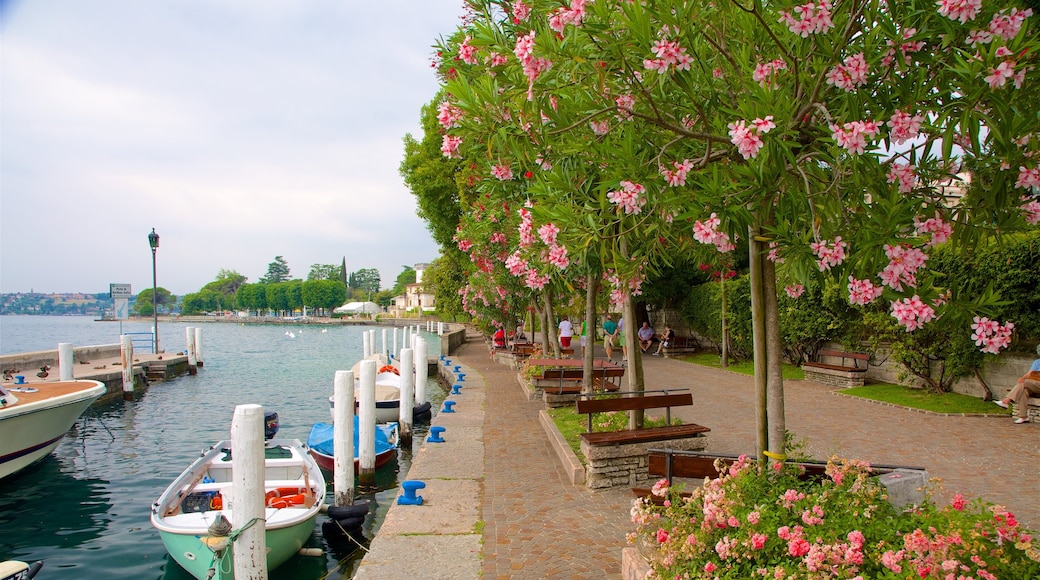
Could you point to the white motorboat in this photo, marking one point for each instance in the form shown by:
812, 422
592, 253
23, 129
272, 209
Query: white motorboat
35, 416
388, 397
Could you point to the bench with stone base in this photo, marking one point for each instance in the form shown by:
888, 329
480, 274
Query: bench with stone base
619, 458
568, 389
838, 375
1032, 410
680, 345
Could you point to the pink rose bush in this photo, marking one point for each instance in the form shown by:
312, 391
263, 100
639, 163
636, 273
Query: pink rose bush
778, 524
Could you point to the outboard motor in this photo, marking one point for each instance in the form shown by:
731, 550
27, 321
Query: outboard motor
270, 425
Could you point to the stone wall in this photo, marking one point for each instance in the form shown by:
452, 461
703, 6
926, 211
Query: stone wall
627, 465
841, 379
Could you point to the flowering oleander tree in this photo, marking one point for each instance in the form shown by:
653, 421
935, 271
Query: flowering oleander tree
816, 130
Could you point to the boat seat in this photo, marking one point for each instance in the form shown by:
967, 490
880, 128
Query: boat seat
202, 520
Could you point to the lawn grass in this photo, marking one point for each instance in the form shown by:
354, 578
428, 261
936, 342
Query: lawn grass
954, 403
572, 425
710, 359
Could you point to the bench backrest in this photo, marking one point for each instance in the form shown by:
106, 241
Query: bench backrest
840, 354
562, 374
603, 405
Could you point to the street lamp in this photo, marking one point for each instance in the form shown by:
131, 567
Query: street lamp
153, 241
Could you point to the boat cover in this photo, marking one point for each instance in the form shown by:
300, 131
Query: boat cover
321, 436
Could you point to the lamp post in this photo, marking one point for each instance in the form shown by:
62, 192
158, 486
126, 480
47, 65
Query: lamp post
153, 241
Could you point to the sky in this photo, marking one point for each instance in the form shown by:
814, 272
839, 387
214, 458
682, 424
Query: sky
240, 130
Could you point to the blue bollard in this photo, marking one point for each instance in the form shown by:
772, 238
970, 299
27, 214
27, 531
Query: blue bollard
409, 497
458, 368
447, 362
462, 377
442, 357
19, 379
448, 406
435, 435
455, 389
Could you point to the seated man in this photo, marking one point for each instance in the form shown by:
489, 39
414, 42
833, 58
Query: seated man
646, 337
666, 340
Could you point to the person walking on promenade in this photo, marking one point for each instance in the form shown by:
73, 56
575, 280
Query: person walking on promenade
566, 331
646, 337
610, 331
1027, 386
621, 338
584, 331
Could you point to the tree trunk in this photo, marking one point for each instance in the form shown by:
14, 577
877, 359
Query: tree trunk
982, 383
591, 287
550, 321
775, 359
635, 361
758, 332
725, 327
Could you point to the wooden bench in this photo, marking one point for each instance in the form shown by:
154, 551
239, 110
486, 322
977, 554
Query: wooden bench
669, 464
570, 379
839, 375
619, 457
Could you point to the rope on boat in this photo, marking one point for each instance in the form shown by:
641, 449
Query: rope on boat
220, 554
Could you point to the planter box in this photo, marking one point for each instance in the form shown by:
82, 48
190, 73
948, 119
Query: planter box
627, 465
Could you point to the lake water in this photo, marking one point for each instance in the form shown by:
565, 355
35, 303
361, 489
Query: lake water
85, 509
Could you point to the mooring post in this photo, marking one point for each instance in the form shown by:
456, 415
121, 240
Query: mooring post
407, 397
198, 345
343, 438
126, 357
366, 345
422, 371
189, 336
440, 329
367, 423
247, 475
396, 353
384, 345
65, 361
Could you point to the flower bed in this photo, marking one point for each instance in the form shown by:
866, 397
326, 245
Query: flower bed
750, 525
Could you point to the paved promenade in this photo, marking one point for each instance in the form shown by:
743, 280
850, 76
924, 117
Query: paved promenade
536, 524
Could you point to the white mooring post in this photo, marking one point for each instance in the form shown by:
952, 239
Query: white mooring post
65, 361
126, 357
396, 352
198, 345
189, 337
247, 476
422, 371
366, 347
343, 438
372, 341
383, 345
367, 422
440, 329
407, 397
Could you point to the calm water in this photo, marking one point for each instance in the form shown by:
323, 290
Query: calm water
85, 509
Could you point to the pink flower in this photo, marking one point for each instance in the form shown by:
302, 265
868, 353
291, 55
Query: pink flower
660, 489
468, 53
448, 115
851, 74
912, 312
765, 72
678, 176
1031, 209
753, 517
904, 262
707, 233
829, 256
662, 535
940, 230
794, 291
450, 146
548, 233
502, 172
628, 197
958, 502
1006, 25
465, 245
891, 560
853, 136
521, 11
600, 127
516, 265
963, 10
991, 335
558, 257
748, 139
812, 18
710, 567
904, 127
625, 104
758, 541
903, 174
1028, 178
1000, 74
669, 55
535, 281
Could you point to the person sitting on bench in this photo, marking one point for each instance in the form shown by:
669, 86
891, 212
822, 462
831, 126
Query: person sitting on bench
666, 340
1027, 386
646, 337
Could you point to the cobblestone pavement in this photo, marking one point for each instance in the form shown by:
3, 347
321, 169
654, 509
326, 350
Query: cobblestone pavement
539, 525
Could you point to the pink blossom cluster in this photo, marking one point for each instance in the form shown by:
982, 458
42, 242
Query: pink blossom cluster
829, 256
533, 67
707, 232
797, 545
813, 516
853, 136
515, 264
600, 128
1007, 24
940, 230
863, 292
521, 11
904, 174
498, 238
791, 497
502, 172
450, 146
912, 312
1028, 178
617, 295
465, 245
495, 59
548, 233
468, 52
849, 75
1031, 209
677, 177
907, 48
963, 10
795, 290
564, 16
557, 256
543, 162
526, 227
625, 104
991, 335
903, 264
904, 127
448, 115
774, 253
534, 280
812, 18
1000, 74
765, 72
748, 138
669, 55
629, 197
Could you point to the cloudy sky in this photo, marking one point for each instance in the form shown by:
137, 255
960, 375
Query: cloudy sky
239, 129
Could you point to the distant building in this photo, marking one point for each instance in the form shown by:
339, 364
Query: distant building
414, 300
